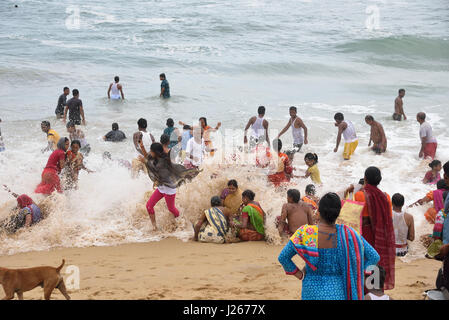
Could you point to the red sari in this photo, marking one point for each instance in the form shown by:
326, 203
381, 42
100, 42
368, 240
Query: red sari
379, 232
50, 179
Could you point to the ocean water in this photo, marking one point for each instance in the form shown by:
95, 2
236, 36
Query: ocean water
223, 60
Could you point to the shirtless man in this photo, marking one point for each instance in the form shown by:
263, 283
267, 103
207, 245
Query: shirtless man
259, 128
297, 126
116, 89
399, 106
296, 212
377, 135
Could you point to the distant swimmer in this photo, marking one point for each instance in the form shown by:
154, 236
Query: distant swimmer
165, 87
115, 135
399, 106
77, 134
141, 139
62, 103
75, 109
52, 136
297, 126
377, 135
347, 129
259, 129
115, 90
428, 141
2, 145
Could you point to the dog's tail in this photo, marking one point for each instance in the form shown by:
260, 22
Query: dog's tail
60, 267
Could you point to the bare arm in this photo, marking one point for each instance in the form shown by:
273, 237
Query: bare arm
250, 122
303, 126
82, 115
137, 137
121, 91
66, 108
265, 125
109, 91
198, 226
283, 218
285, 128
411, 227
152, 138
342, 127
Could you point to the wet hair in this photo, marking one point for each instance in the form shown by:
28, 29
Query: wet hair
158, 150
115, 126
116, 79
45, 123
373, 176
165, 139
277, 145
310, 189
215, 201
421, 116
76, 142
261, 110
170, 123
75, 92
62, 142
382, 276
293, 108
162, 75
107, 155
70, 124
249, 194
65, 88
205, 120
445, 193
434, 164
329, 208
339, 116
294, 194
369, 118
446, 168
187, 127
362, 181
233, 183
441, 184
398, 200
311, 156
142, 123
401, 90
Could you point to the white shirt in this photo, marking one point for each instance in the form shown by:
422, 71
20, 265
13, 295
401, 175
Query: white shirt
425, 131
146, 141
166, 190
257, 128
196, 150
349, 133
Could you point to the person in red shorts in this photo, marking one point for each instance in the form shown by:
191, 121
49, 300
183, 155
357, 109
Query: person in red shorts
50, 175
428, 141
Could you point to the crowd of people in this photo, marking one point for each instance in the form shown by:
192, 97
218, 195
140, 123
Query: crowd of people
336, 255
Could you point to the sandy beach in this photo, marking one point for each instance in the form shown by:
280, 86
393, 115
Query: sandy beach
173, 269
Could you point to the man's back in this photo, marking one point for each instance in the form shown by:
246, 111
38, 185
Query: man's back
74, 105
298, 214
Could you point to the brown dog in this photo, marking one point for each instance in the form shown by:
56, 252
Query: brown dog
21, 280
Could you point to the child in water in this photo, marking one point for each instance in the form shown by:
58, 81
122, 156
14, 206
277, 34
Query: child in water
310, 197
433, 176
311, 159
75, 163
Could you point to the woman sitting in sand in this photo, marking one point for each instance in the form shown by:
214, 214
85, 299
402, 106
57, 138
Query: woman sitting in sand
56, 162
232, 197
437, 197
29, 214
213, 223
251, 222
336, 256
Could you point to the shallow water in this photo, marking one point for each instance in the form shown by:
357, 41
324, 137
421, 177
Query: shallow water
222, 61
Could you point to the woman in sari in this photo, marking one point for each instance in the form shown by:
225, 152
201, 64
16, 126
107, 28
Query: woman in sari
336, 256
437, 197
251, 223
50, 175
377, 222
213, 223
166, 176
29, 214
232, 197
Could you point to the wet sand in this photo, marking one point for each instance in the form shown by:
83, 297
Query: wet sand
173, 269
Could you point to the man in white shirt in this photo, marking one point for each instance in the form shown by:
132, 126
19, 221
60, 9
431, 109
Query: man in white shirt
195, 150
428, 141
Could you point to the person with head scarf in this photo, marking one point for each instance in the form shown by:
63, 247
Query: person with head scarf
377, 222
29, 214
336, 256
56, 162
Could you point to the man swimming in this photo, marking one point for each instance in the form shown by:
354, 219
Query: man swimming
297, 126
347, 129
165, 88
399, 106
115, 90
115, 135
75, 109
377, 135
62, 102
259, 128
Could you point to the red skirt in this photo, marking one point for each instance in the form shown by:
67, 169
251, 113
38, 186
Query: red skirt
278, 178
50, 182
